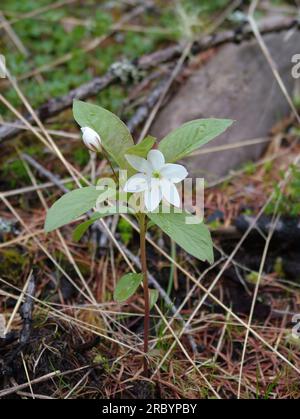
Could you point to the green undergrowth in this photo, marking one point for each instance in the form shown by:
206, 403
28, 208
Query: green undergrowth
287, 202
49, 36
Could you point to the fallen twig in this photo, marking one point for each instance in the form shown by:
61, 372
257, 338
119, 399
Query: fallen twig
143, 111
46, 173
46, 377
93, 87
26, 311
19, 387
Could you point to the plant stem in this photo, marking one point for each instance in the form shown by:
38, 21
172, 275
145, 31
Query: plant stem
173, 269
143, 227
105, 154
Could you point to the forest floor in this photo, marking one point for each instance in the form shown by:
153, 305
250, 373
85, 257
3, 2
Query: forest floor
61, 334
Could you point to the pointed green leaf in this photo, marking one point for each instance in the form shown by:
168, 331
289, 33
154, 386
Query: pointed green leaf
190, 136
143, 148
153, 297
83, 227
114, 134
127, 286
74, 204
193, 238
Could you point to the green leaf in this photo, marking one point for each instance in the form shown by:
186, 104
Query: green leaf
143, 148
190, 136
153, 297
193, 238
73, 204
114, 134
127, 286
83, 227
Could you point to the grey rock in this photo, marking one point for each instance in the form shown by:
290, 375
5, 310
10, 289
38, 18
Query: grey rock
237, 83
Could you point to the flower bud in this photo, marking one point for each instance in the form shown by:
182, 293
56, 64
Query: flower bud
91, 139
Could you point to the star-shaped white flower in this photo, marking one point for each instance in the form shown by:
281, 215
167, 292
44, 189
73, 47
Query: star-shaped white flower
156, 179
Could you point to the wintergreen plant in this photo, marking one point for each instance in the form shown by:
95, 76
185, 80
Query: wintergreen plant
149, 194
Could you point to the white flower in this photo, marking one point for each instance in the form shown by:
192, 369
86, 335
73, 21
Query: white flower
156, 179
91, 139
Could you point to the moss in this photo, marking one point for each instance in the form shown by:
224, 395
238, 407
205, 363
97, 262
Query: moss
14, 173
12, 264
81, 156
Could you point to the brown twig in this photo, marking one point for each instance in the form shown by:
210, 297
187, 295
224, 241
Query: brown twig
26, 311
147, 62
44, 172
145, 108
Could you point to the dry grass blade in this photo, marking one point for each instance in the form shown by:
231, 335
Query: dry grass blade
201, 344
17, 306
42, 247
39, 380
85, 326
269, 58
19, 387
27, 375
262, 264
186, 354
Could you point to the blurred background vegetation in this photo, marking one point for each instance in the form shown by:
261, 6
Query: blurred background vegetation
55, 42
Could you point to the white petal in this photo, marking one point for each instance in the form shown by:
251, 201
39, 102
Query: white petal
90, 134
137, 183
174, 172
91, 139
170, 193
138, 163
156, 159
153, 197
